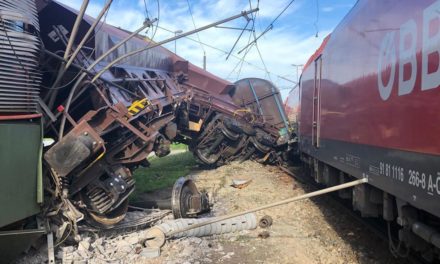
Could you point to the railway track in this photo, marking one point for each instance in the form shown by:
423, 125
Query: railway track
375, 225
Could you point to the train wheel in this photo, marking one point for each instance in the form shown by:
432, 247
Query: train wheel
106, 198
111, 218
259, 145
248, 130
204, 157
206, 150
231, 129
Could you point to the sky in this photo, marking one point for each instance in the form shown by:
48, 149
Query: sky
295, 35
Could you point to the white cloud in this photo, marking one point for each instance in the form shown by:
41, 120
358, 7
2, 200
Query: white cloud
280, 47
328, 9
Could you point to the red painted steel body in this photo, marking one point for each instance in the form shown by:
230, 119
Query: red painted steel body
369, 99
349, 91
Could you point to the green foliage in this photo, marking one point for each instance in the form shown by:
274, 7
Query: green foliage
178, 146
163, 172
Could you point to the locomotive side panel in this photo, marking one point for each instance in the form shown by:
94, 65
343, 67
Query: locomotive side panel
369, 101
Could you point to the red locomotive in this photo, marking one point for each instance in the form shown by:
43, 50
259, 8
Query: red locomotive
368, 108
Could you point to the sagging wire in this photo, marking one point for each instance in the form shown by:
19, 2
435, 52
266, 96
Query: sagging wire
67, 236
317, 19
270, 26
240, 62
395, 250
147, 15
87, 58
240, 59
157, 23
239, 37
165, 41
256, 38
195, 27
157, 20
220, 50
12, 47
247, 48
147, 18
245, 28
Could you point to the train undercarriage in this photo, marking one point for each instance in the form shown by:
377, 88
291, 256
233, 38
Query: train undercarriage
103, 120
411, 232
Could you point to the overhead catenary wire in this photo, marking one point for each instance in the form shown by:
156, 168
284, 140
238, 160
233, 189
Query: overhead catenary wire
65, 61
147, 15
256, 42
104, 11
236, 41
157, 22
109, 65
248, 47
224, 52
240, 62
317, 18
195, 27
270, 26
65, 66
157, 44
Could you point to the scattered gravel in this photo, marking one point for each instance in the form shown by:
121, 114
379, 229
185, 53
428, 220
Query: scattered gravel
309, 231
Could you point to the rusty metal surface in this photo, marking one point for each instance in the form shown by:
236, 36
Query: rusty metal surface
138, 107
82, 143
186, 200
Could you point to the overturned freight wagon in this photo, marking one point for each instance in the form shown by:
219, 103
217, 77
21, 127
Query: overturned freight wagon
101, 119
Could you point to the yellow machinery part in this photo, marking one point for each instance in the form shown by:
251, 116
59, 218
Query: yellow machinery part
138, 105
193, 126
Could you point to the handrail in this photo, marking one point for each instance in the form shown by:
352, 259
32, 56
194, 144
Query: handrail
19, 117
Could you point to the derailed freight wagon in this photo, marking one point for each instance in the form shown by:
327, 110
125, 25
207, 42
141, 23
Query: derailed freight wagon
100, 119
369, 108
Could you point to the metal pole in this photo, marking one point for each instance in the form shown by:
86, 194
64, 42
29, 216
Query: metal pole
65, 66
280, 107
72, 37
204, 61
257, 100
108, 66
75, 28
297, 70
80, 68
294, 199
83, 75
89, 32
175, 42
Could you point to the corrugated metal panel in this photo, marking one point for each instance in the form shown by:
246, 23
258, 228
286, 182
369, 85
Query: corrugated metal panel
19, 76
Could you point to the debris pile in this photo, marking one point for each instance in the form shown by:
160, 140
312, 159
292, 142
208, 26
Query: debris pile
311, 231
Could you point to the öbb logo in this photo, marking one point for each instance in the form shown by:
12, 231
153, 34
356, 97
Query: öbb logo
408, 55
